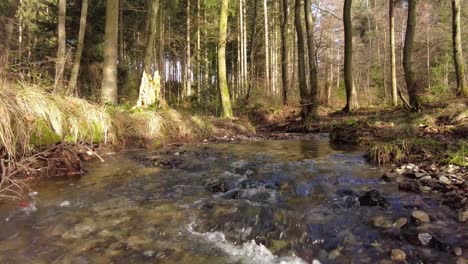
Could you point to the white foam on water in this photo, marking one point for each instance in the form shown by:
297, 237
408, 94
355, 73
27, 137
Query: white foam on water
249, 252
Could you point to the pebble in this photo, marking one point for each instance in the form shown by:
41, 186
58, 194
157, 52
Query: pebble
419, 174
65, 204
149, 253
381, 222
425, 189
457, 251
426, 178
420, 217
398, 255
400, 222
424, 238
461, 260
463, 216
444, 180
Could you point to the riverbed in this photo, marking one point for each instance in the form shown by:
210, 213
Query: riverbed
281, 201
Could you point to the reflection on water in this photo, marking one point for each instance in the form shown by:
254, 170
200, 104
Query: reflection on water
262, 202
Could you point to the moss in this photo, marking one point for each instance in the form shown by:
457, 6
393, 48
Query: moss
458, 156
383, 152
43, 134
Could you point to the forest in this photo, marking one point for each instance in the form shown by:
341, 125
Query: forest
322, 105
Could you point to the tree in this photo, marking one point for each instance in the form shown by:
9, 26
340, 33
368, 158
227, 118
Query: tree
222, 73
79, 48
60, 61
462, 88
351, 94
391, 19
313, 72
410, 79
253, 37
304, 100
284, 50
11, 8
109, 79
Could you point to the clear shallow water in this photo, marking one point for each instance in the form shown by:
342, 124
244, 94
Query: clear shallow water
125, 211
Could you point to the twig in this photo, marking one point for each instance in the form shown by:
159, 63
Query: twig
97, 155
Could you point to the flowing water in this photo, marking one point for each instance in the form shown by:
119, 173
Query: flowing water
255, 202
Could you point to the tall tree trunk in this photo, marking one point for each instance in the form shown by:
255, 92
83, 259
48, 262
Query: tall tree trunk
60, 60
253, 37
188, 73
198, 51
351, 94
393, 78
284, 50
462, 88
151, 36
222, 73
313, 73
9, 25
304, 100
267, 47
79, 48
410, 79
109, 78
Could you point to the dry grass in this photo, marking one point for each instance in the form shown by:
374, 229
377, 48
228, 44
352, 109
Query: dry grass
30, 117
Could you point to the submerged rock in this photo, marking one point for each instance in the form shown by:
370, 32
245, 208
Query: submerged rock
397, 255
463, 216
373, 198
420, 217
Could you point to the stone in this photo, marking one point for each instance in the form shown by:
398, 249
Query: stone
463, 216
397, 255
401, 222
426, 178
420, 217
424, 238
444, 180
420, 174
408, 186
373, 198
457, 251
400, 171
382, 222
461, 260
65, 204
149, 253
425, 189
389, 176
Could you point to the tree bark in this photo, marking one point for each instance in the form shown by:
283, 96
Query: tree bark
351, 94
188, 74
9, 25
109, 80
253, 36
267, 47
392, 53
151, 36
284, 51
304, 100
462, 88
313, 73
222, 73
79, 49
60, 60
410, 79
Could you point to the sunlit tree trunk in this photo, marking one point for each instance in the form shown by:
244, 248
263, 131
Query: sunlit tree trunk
410, 79
462, 88
60, 60
313, 73
284, 50
151, 36
393, 78
109, 78
222, 73
304, 100
351, 94
79, 48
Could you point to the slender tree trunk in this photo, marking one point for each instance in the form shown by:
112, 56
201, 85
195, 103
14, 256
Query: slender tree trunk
198, 51
462, 88
392, 53
109, 78
188, 73
267, 47
60, 63
284, 50
79, 48
304, 100
222, 73
351, 95
253, 36
410, 79
9, 25
313, 72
